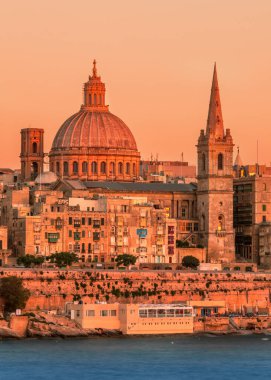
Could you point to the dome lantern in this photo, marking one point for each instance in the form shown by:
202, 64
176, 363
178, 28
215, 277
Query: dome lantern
94, 92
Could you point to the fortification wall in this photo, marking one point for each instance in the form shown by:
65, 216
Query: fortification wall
52, 289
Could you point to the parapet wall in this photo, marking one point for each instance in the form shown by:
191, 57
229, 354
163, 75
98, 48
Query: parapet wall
52, 289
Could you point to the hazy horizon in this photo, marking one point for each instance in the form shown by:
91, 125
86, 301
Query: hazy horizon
156, 59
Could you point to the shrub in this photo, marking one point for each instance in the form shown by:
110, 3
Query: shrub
190, 262
14, 293
30, 260
126, 260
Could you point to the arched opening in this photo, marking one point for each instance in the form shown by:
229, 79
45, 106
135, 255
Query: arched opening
35, 147
66, 168
90, 99
57, 167
94, 167
75, 167
84, 167
34, 170
221, 223
127, 168
220, 161
134, 169
203, 162
120, 168
103, 167
112, 168
95, 100
100, 99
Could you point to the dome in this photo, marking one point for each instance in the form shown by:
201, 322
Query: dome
91, 129
94, 144
46, 178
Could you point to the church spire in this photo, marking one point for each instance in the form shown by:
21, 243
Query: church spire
94, 70
215, 126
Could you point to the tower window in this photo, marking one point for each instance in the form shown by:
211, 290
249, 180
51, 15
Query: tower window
57, 167
134, 169
95, 100
34, 147
90, 99
112, 168
75, 167
220, 161
103, 167
84, 167
127, 168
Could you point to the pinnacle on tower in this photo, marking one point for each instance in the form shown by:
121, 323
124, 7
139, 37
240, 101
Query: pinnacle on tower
215, 126
94, 70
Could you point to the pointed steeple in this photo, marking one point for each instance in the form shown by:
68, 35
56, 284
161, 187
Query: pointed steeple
238, 161
215, 126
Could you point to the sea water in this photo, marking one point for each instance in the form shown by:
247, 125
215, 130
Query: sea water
160, 357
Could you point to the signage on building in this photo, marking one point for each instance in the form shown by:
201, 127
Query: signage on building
142, 232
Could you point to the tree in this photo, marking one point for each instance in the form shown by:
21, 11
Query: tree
28, 260
126, 260
62, 259
14, 293
190, 262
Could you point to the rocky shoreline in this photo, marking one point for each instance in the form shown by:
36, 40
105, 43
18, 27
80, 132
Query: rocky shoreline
42, 326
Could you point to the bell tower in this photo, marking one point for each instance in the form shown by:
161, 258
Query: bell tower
32, 153
215, 183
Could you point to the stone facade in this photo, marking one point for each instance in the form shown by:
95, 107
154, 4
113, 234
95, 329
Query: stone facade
215, 183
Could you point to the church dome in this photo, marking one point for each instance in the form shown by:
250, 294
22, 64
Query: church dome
91, 129
94, 144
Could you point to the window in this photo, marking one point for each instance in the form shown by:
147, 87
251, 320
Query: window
57, 167
264, 207
264, 218
76, 235
96, 236
83, 248
75, 167
70, 233
120, 167
112, 168
83, 233
103, 313
83, 221
89, 221
127, 168
70, 220
220, 161
66, 168
103, 167
94, 167
90, 313
183, 212
84, 167
113, 313
77, 313
134, 169
35, 147
89, 248
102, 221
95, 100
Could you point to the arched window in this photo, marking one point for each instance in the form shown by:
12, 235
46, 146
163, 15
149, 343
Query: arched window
220, 161
103, 167
35, 168
127, 168
35, 147
203, 162
66, 168
100, 97
51, 166
94, 167
112, 168
120, 167
90, 99
57, 168
221, 223
84, 167
134, 169
95, 100
75, 167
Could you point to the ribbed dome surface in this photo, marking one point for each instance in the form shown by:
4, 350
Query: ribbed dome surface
91, 129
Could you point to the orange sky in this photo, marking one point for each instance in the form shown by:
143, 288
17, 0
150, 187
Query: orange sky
156, 58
